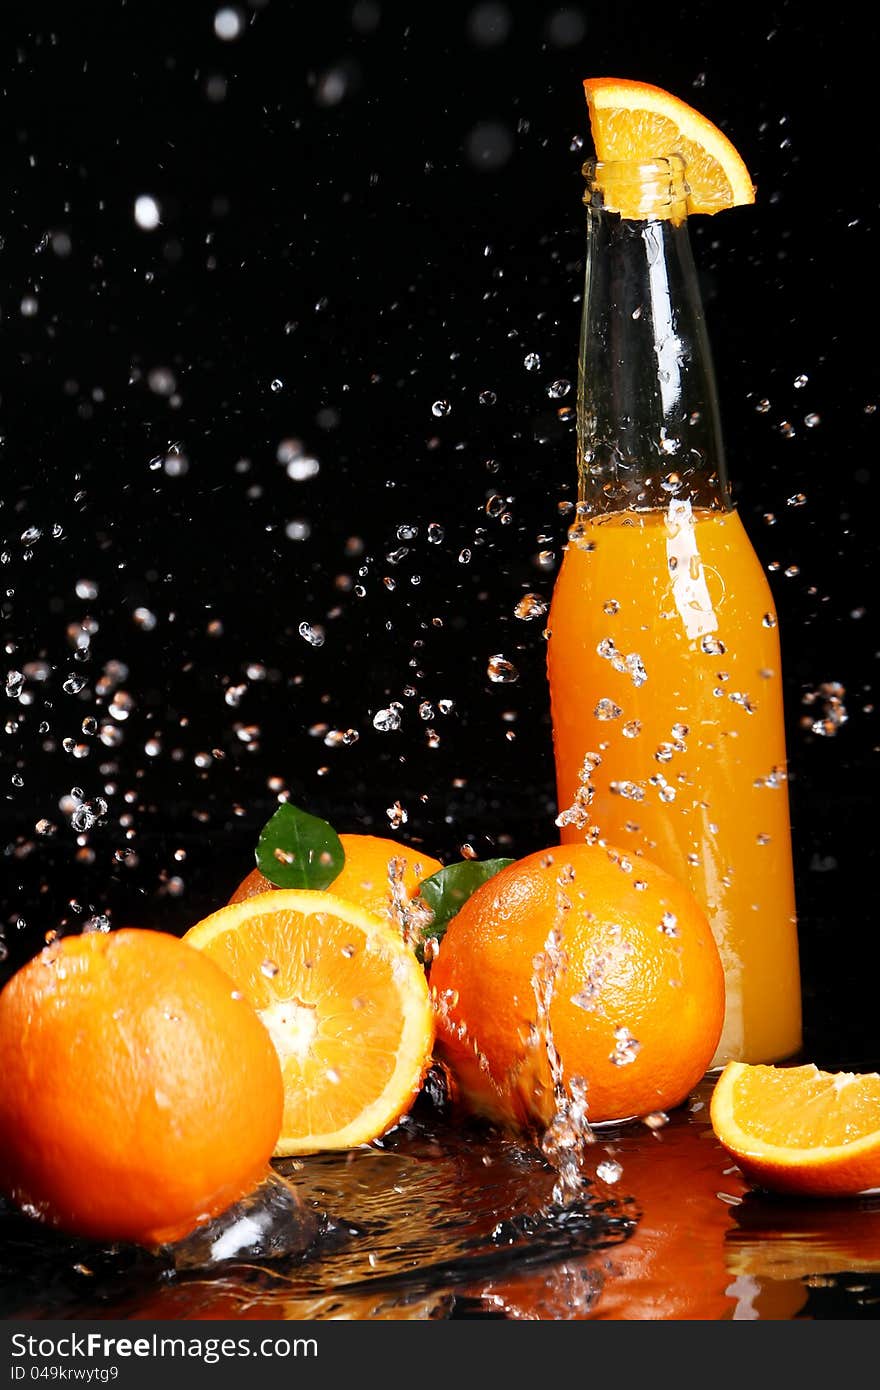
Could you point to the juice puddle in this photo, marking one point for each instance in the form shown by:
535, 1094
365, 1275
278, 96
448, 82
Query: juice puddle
664, 661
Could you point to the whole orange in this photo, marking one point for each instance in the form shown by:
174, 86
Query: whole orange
637, 1001
140, 1096
364, 877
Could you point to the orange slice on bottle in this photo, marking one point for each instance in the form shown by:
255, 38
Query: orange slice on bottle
634, 121
345, 1002
799, 1130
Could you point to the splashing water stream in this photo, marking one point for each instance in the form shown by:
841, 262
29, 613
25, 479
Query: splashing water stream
568, 1134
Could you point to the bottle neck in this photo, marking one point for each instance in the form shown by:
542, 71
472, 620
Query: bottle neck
649, 430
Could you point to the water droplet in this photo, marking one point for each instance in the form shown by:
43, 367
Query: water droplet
145, 620
489, 145
712, 646
487, 398
668, 924
636, 669
626, 1048
500, 670
607, 709
147, 213
630, 791
488, 24
532, 361
86, 814
228, 23
175, 464
557, 389
302, 467
387, 720
313, 635
441, 409
530, 606
609, 1170
436, 533
565, 27
656, 1120
73, 684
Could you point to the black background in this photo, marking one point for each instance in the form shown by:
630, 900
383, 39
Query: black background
376, 206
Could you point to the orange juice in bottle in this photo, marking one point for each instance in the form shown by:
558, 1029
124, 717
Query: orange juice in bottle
663, 650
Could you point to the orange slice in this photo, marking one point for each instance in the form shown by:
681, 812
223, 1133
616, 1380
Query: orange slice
635, 121
800, 1130
346, 1004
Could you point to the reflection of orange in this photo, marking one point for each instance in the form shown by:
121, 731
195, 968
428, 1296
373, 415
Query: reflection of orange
637, 1004
364, 878
788, 1239
140, 1094
674, 1267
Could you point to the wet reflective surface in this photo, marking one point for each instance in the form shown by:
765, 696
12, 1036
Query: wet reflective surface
449, 1220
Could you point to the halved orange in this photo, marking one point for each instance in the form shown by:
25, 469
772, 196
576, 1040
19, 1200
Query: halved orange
345, 1002
635, 121
800, 1130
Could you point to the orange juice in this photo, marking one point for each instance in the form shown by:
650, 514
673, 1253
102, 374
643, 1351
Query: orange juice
664, 670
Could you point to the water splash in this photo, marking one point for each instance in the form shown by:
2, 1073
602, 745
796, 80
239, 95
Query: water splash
578, 813
565, 1140
413, 917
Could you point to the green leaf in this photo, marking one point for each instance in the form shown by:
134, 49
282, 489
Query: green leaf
296, 850
446, 891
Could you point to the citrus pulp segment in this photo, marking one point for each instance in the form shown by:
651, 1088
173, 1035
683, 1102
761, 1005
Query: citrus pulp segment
636, 121
800, 1130
345, 1002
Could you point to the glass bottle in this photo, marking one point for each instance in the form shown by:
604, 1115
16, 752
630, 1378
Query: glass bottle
663, 649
